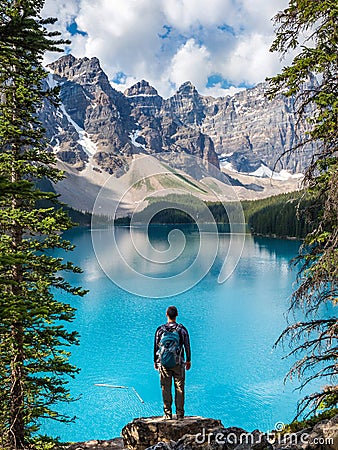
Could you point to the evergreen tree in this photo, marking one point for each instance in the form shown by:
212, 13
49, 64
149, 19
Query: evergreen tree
34, 361
310, 28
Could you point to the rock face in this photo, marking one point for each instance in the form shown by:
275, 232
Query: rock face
323, 436
93, 119
248, 129
198, 433
98, 125
99, 129
155, 433
208, 434
143, 433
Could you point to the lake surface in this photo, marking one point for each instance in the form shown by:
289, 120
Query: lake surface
236, 375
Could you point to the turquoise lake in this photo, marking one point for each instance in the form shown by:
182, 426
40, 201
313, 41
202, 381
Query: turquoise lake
236, 375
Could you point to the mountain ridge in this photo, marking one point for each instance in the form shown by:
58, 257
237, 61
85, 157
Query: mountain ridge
243, 129
97, 131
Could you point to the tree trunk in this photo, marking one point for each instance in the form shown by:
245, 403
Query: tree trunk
17, 422
17, 425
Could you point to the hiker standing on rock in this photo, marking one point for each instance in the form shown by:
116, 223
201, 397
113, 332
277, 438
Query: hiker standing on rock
171, 345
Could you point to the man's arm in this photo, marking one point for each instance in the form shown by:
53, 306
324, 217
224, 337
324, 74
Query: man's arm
156, 342
187, 348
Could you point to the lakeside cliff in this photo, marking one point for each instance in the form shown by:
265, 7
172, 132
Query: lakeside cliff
195, 432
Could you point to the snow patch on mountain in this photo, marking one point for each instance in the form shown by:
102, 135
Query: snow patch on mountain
51, 82
227, 165
133, 136
264, 172
86, 143
141, 95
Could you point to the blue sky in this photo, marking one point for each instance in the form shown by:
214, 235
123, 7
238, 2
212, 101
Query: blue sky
218, 45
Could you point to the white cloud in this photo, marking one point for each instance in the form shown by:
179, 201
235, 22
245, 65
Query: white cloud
122, 34
251, 62
65, 11
168, 42
185, 14
258, 13
191, 63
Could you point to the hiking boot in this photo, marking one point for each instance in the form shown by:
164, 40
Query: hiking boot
179, 417
167, 417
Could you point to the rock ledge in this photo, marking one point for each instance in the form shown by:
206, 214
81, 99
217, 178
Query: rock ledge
143, 433
198, 433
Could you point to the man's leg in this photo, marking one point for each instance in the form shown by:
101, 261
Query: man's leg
166, 382
179, 379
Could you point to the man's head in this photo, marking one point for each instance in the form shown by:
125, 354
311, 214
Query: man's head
172, 313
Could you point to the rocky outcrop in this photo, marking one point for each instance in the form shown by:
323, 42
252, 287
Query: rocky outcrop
143, 433
155, 433
323, 436
198, 433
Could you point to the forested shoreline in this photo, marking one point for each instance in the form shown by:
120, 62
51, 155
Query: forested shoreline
277, 216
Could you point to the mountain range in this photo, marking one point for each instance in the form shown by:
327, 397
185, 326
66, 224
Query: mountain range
96, 131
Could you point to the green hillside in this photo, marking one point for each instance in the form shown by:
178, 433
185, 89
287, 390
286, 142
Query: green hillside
281, 215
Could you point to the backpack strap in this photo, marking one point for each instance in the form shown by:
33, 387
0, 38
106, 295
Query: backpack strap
179, 328
165, 327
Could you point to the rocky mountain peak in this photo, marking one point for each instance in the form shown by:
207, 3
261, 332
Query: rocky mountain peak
63, 65
82, 70
187, 89
141, 88
188, 104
